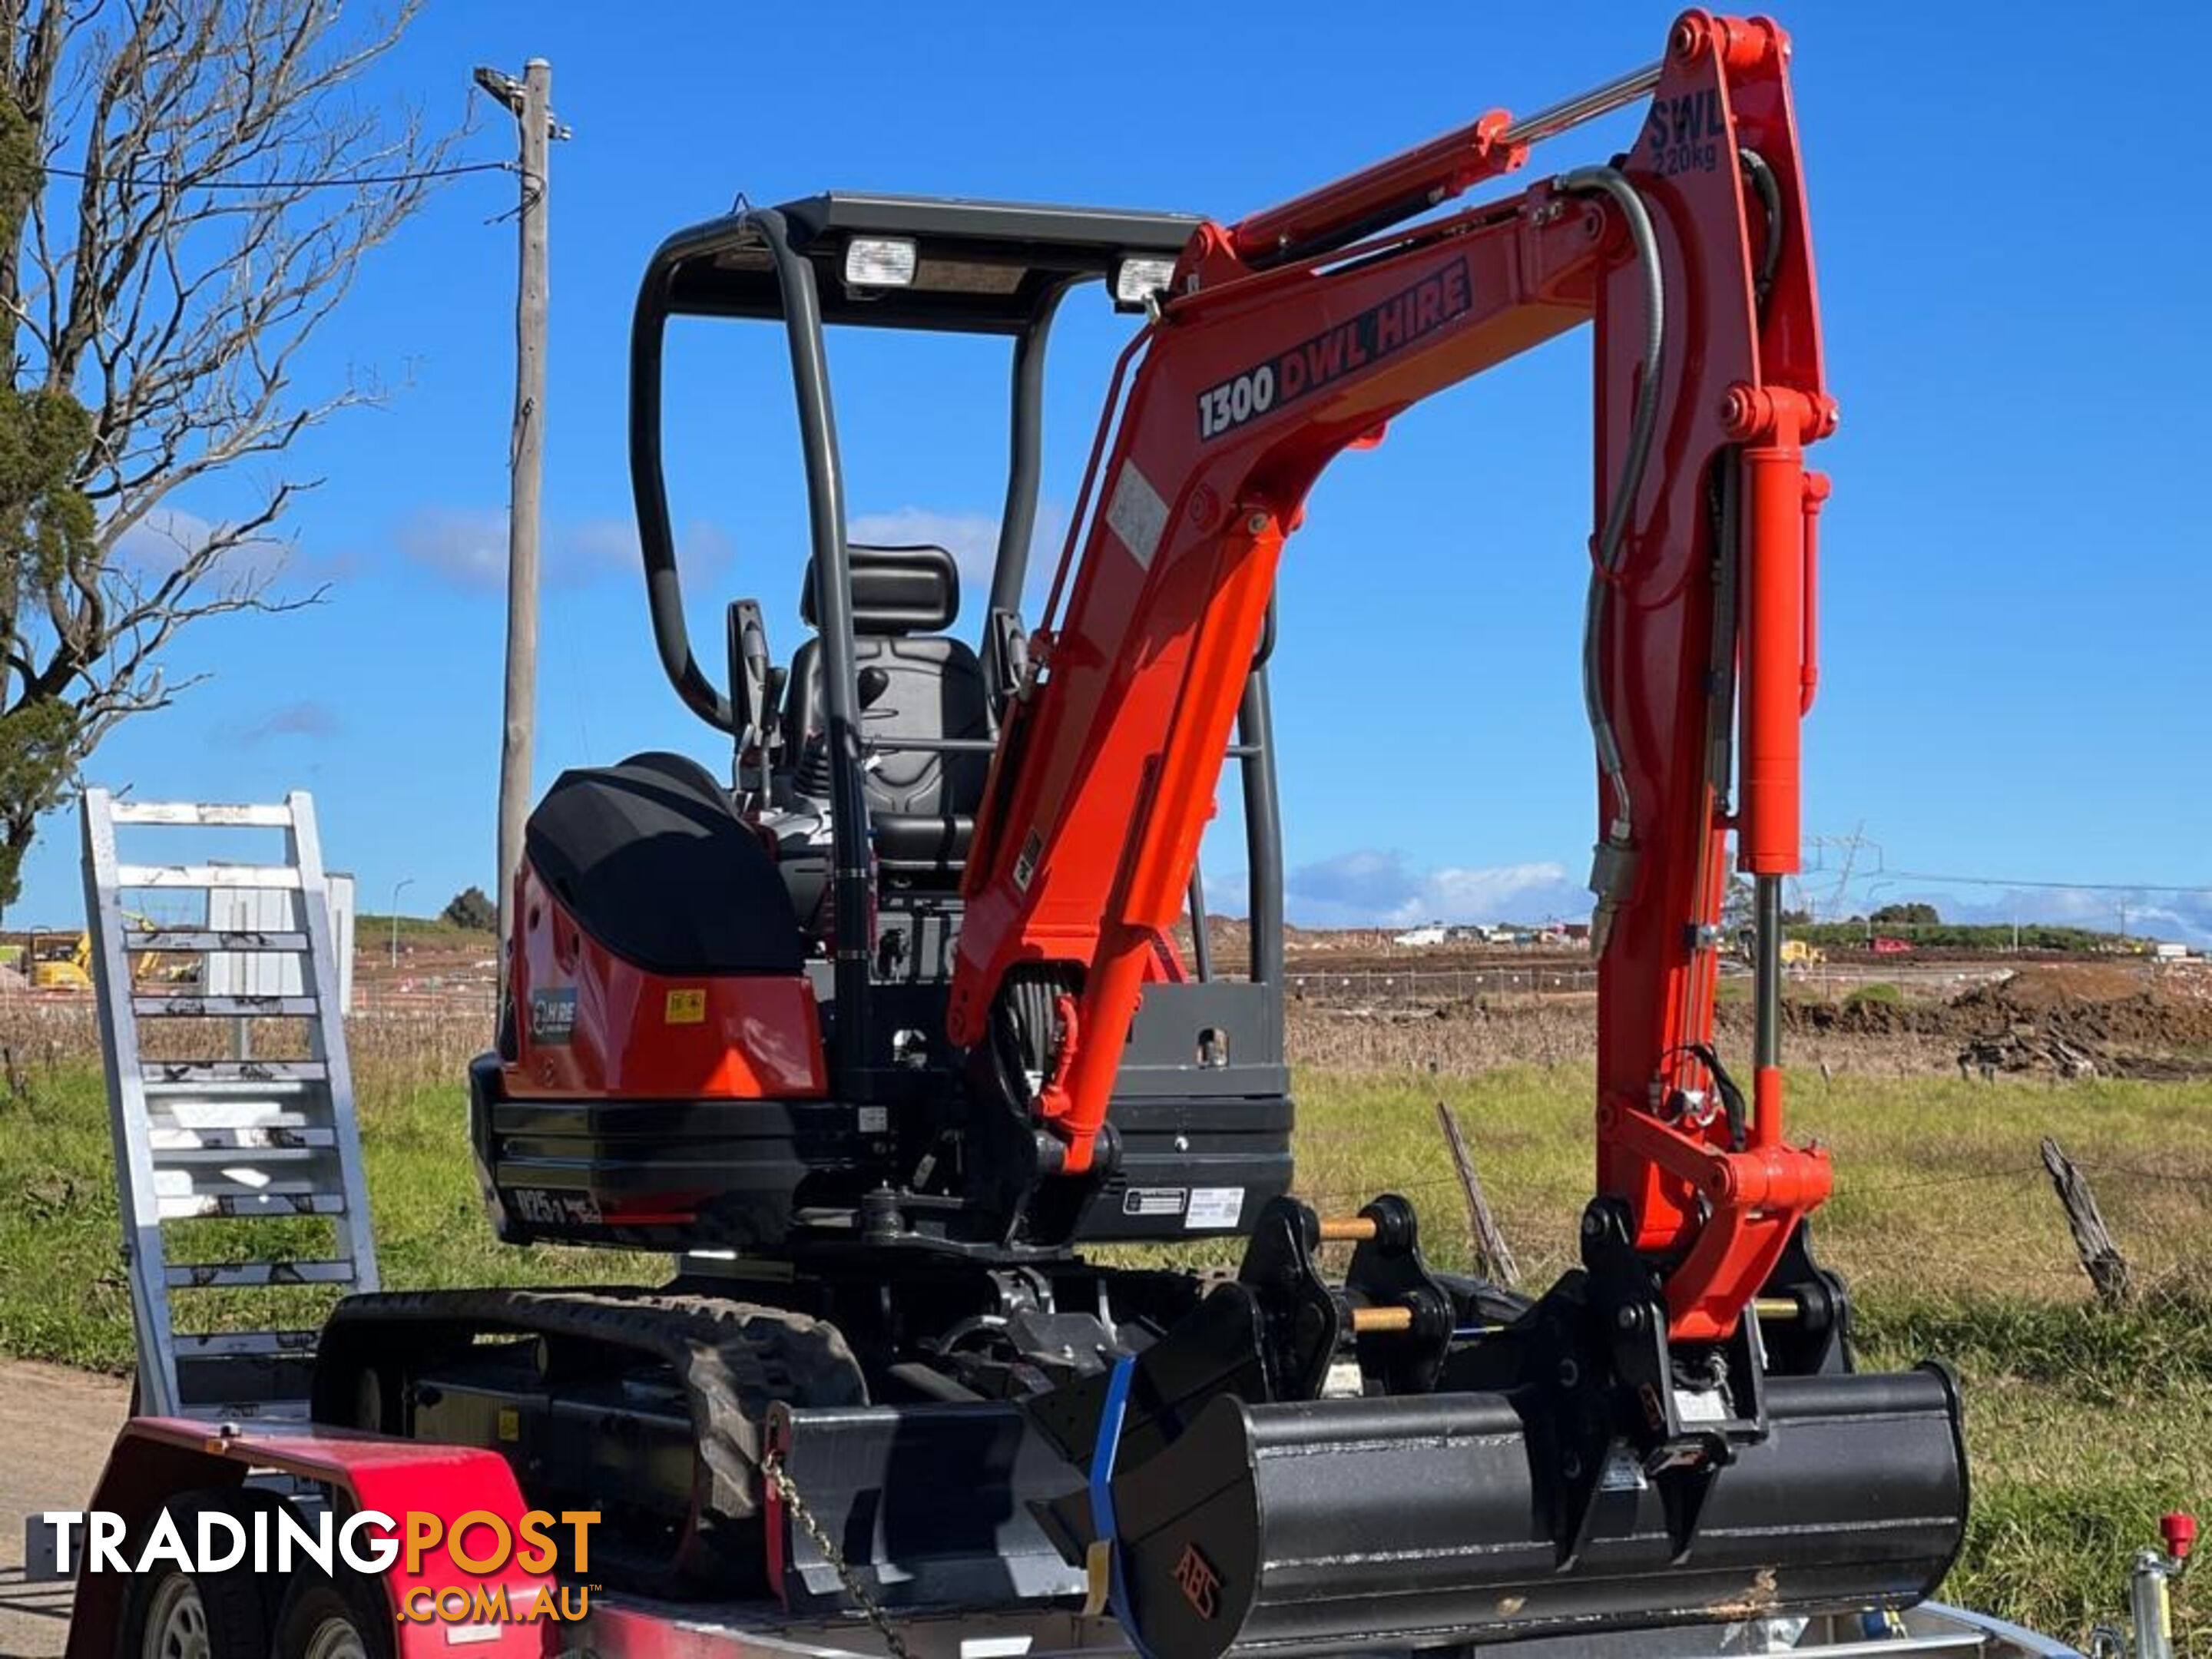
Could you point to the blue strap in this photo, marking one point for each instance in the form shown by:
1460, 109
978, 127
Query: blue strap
1110, 1419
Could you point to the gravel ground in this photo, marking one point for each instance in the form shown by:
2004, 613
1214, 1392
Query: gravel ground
55, 1428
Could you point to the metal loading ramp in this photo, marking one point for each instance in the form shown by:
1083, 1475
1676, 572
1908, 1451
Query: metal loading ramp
237, 1157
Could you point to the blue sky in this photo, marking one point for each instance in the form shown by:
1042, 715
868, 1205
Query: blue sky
2017, 574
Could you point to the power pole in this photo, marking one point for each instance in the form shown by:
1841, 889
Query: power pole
529, 102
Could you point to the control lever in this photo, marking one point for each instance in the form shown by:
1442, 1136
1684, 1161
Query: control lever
1009, 645
753, 683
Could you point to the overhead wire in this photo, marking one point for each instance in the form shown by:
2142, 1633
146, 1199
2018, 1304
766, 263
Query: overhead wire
336, 181
2053, 886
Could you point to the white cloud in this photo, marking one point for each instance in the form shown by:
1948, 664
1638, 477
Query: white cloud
162, 540
704, 550
583, 552
1376, 887
1371, 887
2154, 913
972, 539
2186, 917
167, 536
467, 547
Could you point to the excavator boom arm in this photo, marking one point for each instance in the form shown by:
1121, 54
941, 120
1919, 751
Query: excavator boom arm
1284, 341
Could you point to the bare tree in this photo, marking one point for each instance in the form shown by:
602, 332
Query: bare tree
187, 188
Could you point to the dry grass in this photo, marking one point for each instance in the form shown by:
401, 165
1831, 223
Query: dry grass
1938, 1181
1470, 1037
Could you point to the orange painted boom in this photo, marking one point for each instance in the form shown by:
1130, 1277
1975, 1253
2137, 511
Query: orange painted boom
1279, 347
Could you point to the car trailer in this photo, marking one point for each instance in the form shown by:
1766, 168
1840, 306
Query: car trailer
157, 1459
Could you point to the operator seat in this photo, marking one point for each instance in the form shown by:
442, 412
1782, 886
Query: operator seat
915, 682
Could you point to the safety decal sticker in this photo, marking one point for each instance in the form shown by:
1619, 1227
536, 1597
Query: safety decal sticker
687, 1006
553, 1016
1137, 514
1154, 1201
1214, 1206
1026, 864
1686, 133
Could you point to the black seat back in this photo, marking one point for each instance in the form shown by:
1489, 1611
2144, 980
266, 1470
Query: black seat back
915, 682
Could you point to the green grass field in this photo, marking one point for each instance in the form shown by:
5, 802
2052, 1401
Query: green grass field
2083, 1425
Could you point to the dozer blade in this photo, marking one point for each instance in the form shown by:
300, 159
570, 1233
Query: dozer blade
1342, 1523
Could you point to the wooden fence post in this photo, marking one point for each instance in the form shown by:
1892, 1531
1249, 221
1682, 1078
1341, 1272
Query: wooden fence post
2100, 1257
1493, 1256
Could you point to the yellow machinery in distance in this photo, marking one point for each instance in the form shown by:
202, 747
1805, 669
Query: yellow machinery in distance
62, 962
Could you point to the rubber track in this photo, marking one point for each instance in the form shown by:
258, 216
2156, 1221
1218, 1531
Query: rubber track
734, 1359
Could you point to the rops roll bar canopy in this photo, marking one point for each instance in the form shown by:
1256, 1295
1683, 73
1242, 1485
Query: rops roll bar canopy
978, 267
940, 264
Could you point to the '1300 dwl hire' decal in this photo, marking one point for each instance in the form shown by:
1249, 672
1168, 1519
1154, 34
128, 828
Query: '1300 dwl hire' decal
1378, 331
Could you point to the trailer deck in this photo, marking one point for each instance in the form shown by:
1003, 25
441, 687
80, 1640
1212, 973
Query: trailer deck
626, 1627
156, 1457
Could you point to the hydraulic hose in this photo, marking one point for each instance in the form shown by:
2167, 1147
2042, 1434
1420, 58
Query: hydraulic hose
1608, 876
1769, 193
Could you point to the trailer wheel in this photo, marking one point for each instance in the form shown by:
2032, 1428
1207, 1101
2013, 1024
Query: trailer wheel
170, 1614
332, 1618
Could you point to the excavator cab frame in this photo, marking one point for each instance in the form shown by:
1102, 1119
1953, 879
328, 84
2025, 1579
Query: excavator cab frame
976, 267
1203, 1114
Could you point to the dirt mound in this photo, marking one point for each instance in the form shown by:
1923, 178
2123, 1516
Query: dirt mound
2077, 1019
2062, 1018
2116, 1001
2045, 987
1854, 1015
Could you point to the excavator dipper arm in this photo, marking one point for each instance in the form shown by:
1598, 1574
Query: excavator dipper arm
1306, 329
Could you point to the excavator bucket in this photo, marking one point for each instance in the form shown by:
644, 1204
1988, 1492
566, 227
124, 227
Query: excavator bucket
1283, 1471
1333, 1524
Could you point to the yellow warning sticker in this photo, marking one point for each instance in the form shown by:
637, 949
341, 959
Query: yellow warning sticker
510, 1423
687, 1007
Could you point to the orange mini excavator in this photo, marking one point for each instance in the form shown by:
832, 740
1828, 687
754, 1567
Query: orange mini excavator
877, 1032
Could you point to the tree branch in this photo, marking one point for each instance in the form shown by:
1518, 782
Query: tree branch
155, 316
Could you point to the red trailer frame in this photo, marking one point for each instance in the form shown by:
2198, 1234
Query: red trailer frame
157, 1458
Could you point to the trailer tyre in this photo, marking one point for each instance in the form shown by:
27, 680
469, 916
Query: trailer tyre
173, 1614
346, 1618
